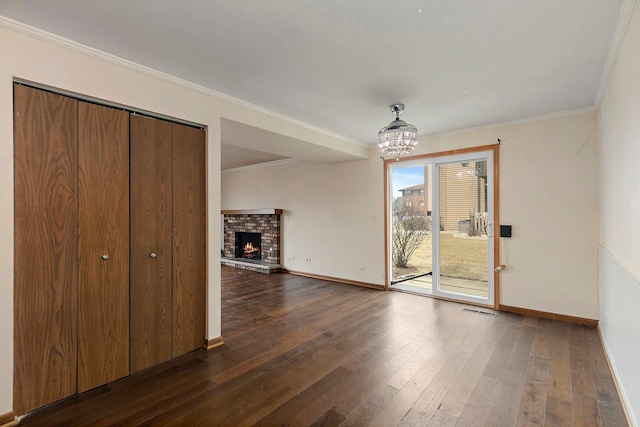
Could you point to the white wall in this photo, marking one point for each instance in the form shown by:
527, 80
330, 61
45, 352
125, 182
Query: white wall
548, 190
333, 214
36, 56
619, 117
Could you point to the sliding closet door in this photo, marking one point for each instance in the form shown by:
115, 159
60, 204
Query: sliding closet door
45, 226
151, 242
189, 238
103, 245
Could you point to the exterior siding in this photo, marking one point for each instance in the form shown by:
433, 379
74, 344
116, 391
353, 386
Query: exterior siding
461, 193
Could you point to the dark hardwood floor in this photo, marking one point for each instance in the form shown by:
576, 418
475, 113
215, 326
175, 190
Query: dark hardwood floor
302, 351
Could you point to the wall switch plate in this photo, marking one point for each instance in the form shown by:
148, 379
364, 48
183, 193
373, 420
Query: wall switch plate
505, 231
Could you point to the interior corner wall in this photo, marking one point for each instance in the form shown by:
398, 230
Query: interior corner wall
619, 124
548, 192
333, 217
48, 63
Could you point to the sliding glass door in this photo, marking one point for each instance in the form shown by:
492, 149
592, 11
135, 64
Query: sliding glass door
441, 226
411, 225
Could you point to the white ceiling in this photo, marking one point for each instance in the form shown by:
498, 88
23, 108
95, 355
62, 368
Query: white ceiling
337, 64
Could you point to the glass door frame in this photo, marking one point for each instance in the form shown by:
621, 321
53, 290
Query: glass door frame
491, 152
454, 159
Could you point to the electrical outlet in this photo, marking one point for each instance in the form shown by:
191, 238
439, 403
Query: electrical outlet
308, 259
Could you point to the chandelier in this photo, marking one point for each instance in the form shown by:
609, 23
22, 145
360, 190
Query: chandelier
399, 138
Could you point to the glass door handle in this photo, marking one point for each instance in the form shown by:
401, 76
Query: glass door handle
489, 229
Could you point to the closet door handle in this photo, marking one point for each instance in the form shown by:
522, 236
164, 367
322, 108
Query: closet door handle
153, 255
105, 257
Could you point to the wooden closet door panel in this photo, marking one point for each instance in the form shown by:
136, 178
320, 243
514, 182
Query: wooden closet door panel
151, 233
45, 171
189, 239
103, 232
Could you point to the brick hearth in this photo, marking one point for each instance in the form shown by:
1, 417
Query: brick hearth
263, 221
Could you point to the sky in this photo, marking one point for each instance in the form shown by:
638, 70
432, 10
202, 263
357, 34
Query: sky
406, 177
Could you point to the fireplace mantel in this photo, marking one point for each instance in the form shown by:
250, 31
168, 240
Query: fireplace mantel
252, 212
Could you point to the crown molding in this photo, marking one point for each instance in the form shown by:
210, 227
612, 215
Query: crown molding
48, 37
549, 116
626, 10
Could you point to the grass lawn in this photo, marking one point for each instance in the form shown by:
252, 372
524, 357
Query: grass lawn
460, 258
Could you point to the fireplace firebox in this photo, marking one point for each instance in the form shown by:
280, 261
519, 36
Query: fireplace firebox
248, 245
263, 222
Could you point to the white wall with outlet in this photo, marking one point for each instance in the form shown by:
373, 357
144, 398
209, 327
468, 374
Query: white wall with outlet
330, 214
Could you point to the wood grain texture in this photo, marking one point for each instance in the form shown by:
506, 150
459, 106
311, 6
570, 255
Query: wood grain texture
151, 232
549, 315
103, 229
336, 279
496, 224
45, 317
213, 343
301, 351
8, 419
189, 238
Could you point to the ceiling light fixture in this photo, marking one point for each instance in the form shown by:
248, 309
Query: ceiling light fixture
399, 138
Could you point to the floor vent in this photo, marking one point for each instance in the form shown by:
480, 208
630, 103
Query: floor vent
486, 313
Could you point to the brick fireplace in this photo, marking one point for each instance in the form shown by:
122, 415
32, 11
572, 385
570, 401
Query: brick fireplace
264, 223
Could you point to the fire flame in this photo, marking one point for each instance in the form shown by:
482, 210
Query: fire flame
248, 248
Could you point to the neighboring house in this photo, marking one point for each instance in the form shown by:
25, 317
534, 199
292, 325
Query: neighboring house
463, 195
413, 198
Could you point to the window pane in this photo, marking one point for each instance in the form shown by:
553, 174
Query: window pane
411, 227
463, 229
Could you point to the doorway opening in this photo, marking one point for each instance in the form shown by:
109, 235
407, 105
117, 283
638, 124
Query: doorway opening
441, 211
